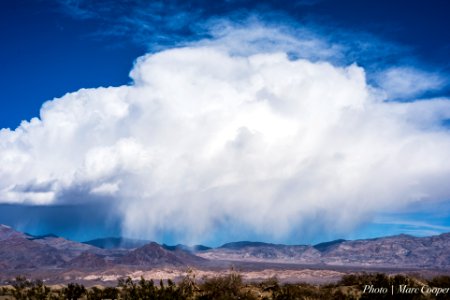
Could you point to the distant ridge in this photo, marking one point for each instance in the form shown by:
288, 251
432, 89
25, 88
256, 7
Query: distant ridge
38, 237
243, 244
117, 243
194, 248
327, 245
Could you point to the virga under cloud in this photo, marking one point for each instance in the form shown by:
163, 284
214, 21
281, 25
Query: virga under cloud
235, 135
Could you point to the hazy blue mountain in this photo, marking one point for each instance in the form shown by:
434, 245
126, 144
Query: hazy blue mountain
243, 244
117, 243
195, 248
322, 247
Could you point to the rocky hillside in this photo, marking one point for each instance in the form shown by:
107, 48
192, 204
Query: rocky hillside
154, 254
401, 251
20, 251
261, 252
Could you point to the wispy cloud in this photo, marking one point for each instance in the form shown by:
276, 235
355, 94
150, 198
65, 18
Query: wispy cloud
153, 24
414, 227
408, 82
77, 9
158, 25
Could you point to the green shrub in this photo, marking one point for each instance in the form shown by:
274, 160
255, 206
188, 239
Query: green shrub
225, 288
74, 291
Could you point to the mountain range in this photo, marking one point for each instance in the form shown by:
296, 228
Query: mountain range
24, 253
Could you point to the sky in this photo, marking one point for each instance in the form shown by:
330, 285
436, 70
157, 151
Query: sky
209, 122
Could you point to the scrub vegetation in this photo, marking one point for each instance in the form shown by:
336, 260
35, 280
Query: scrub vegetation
231, 286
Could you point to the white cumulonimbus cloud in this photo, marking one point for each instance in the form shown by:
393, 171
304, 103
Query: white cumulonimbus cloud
205, 138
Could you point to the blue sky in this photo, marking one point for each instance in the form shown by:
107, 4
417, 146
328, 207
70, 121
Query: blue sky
50, 48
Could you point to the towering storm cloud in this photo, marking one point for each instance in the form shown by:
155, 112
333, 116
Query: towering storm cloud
208, 138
